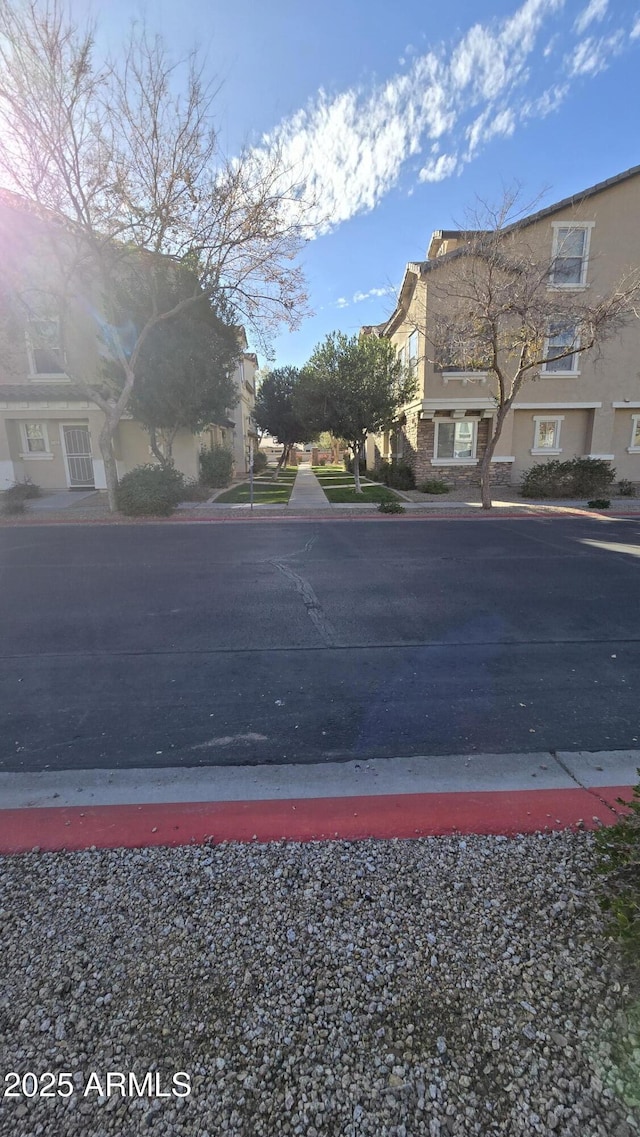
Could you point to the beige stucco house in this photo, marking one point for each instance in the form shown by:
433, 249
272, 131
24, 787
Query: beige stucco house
48, 429
585, 405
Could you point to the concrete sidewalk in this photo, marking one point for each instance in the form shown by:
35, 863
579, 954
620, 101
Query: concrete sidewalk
307, 492
499, 794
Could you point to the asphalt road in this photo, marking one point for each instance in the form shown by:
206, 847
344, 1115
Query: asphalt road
175, 644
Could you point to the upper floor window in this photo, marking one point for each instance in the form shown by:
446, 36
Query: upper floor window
562, 338
457, 351
412, 348
635, 432
43, 342
570, 255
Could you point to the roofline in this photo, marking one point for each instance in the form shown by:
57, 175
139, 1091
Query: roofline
574, 199
418, 268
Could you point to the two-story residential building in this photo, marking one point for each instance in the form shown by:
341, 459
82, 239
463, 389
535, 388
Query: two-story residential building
49, 430
584, 404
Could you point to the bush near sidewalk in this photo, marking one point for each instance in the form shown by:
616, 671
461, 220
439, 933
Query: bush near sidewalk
15, 498
216, 467
398, 475
150, 491
578, 477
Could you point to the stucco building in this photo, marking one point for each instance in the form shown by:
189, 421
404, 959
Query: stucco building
586, 404
49, 430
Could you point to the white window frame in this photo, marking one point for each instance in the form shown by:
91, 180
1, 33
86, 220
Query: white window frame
412, 338
536, 448
34, 455
547, 368
45, 376
635, 428
472, 461
556, 226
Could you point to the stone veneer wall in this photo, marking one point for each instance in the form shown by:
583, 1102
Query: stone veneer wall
419, 439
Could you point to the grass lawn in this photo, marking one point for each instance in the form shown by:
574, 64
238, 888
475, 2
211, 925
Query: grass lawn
371, 492
266, 494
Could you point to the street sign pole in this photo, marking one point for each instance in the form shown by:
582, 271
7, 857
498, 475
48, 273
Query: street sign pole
251, 472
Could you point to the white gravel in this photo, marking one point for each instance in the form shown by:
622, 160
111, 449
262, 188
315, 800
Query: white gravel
440, 987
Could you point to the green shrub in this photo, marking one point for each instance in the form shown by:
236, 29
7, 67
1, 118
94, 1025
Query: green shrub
260, 461
599, 503
618, 850
348, 464
626, 488
14, 499
150, 491
397, 475
401, 476
216, 467
435, 485
577, 477
390, 507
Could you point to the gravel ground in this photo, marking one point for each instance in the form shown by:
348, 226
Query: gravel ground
438, 986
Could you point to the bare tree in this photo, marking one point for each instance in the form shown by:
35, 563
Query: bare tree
494, 307
119, 161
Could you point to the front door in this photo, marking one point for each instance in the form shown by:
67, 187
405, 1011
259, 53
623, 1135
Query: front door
78, 459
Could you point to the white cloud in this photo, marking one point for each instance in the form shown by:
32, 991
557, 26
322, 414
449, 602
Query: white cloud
437, 169
592, 54
594, 11
351, 149
342, 302
359, 296
635, 31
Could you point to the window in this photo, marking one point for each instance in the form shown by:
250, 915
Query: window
412, 348
456, 440
561, 337
45, 354
546, 435
635, 432
35, 440
402, 354
570, 256
459, 352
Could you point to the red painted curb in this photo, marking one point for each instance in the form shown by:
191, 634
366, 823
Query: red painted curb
309, 518
347, 818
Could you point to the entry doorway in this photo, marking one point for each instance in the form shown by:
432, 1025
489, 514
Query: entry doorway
78, 459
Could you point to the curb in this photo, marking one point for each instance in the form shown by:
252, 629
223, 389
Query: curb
379, 799
384, 817
371, 516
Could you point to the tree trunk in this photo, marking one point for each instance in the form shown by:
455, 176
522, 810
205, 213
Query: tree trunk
282, 461
485, 461
356, 468
155, 449
110, 469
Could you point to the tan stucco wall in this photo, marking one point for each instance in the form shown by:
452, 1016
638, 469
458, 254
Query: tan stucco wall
49, 473
627, 465
574, 433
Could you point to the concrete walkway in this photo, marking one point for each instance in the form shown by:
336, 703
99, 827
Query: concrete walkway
307, 492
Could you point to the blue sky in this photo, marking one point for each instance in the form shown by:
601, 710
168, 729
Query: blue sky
404, 113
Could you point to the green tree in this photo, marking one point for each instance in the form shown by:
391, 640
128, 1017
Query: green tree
354, 386
184, 376
276, 411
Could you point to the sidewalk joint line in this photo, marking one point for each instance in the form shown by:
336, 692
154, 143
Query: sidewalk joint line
588, 789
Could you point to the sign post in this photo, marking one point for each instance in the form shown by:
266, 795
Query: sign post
251, 473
